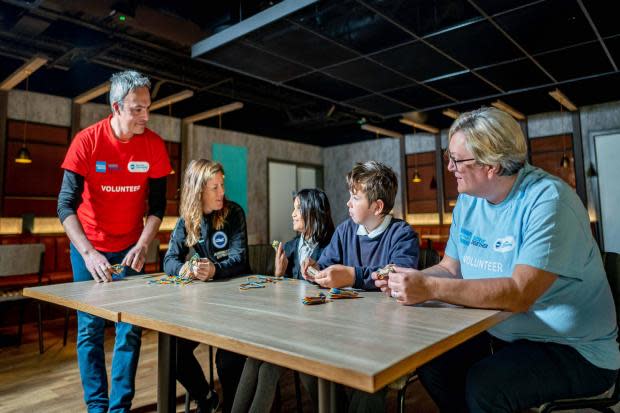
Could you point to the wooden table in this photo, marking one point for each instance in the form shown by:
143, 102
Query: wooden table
363, 343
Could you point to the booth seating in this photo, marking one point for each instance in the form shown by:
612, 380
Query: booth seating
17, 261
55, 268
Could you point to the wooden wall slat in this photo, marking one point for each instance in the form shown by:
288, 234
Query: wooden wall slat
42, 177
25, 186
421, 198
547, 154
36, 132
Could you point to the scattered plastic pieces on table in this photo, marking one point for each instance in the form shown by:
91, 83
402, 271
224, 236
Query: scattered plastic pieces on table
315, 300
338, 294
185, 274
259, 281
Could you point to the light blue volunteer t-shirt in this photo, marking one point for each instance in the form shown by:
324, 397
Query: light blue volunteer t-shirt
541, 223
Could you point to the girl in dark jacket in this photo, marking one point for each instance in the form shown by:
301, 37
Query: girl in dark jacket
312, 220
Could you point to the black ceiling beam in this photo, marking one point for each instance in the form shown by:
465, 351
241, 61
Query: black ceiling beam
53, 15
253, 23
146, 69
598, 35
513, 92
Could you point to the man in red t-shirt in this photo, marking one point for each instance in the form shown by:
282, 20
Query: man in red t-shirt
112, 169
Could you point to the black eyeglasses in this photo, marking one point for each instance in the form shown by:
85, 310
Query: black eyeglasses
450, 159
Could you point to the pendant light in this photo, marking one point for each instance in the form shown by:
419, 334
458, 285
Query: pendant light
416, 175
564, 161
23, 155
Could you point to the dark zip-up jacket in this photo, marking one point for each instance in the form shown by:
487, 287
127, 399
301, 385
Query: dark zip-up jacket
226, 248
292, 254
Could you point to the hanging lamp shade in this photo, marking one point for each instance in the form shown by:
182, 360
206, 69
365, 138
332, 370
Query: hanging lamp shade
416, 177
564, 162
23, 155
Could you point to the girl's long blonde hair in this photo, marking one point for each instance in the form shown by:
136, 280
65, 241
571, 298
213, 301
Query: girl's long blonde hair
197, 175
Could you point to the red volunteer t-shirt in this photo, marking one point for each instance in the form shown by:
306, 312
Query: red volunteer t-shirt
115, 182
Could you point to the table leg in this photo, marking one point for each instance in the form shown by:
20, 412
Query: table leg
166, 373
324, 395
335, 393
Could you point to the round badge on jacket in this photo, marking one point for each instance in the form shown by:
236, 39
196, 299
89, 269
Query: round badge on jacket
219, 239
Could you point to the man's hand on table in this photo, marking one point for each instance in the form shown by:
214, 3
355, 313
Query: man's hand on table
407, 285
136, 257
98, 266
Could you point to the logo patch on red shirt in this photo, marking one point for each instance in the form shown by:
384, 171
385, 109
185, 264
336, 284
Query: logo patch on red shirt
138, 166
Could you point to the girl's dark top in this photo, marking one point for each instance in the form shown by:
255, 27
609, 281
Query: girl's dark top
226, 248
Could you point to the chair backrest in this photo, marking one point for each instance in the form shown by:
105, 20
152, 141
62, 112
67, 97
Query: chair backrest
612, 268
611, 261
427, 258
262, 259
21, 259
152, 254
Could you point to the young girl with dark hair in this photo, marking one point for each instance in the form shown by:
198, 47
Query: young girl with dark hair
312, 220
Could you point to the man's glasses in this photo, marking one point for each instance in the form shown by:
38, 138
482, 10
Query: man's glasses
450, 160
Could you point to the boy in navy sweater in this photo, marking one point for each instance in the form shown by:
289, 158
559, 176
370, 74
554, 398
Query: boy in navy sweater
371, 238
361, 245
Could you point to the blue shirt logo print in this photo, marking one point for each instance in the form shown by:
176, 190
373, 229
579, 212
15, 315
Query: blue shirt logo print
100, 166
465, 236
505, 244
219, 239
479, 242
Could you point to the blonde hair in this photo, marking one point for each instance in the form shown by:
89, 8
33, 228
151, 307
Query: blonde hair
197, 175
493, 137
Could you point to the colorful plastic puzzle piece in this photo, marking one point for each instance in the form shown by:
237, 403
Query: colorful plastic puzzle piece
315, 300
384, 272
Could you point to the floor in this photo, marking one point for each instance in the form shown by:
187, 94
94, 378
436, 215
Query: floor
49, 382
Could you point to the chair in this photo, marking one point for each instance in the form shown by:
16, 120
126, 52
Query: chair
601, 404
187, 398
21, 260
262, 259
427, 258
152, 257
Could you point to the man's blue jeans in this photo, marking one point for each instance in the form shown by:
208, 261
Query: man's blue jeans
91, 355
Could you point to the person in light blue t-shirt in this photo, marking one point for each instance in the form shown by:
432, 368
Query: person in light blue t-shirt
520, 241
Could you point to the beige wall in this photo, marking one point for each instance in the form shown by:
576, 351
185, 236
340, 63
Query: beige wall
47, 109
260, 149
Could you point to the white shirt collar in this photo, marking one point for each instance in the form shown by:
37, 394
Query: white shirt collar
310, 243
377, 231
